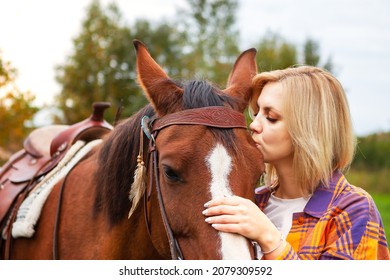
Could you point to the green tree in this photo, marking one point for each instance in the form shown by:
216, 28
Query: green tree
202, 42
102, 66
373, 152
312, 55
211, 37
165, 43
275, 52
16, 111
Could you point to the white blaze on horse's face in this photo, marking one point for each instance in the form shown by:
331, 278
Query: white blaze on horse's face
233, 246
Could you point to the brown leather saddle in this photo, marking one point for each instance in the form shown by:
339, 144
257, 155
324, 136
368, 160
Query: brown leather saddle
42, 151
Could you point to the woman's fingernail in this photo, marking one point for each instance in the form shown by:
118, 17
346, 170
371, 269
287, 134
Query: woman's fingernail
207, 220
204, 212
207, 204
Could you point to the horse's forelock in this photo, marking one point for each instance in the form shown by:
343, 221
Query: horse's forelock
201, 93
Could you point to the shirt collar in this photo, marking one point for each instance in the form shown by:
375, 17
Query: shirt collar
324, 195
319, 202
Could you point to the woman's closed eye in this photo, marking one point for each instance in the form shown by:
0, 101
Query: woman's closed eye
271, 120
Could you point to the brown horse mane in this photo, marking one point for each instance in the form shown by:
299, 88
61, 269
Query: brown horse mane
117, 157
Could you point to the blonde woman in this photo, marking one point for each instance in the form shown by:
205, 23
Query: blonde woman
307, 209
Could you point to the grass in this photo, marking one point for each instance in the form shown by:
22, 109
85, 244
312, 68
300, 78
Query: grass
382, 201
376, 181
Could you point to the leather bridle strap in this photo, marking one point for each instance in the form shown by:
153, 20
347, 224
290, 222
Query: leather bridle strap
217, 117
176, 253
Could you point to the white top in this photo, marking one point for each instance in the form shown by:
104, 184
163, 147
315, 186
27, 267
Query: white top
280, 211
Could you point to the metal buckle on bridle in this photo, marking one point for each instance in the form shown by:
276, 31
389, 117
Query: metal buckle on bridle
146, 125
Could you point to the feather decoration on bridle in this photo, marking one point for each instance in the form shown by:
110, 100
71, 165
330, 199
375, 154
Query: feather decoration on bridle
138, 187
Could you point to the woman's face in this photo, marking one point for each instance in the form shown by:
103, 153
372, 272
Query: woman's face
269, 127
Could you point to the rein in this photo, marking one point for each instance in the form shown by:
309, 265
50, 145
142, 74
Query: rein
216, 116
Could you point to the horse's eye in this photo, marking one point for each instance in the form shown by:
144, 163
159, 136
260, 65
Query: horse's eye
170, 174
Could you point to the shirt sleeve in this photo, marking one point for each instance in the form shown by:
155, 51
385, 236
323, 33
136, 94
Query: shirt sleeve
355, 230
288, 254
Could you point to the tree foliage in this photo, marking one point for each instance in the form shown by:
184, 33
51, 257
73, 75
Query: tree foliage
202, 43
275, 52
312, 57
373, 152
99, 69
211, 38
16, 110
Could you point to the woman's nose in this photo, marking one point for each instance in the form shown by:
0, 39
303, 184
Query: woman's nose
256, 125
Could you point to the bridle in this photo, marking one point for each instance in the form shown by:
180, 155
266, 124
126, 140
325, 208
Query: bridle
215, 116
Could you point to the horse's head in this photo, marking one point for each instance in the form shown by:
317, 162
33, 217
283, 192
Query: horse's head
197, 159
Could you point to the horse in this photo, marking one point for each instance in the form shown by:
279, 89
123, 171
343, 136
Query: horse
140, 193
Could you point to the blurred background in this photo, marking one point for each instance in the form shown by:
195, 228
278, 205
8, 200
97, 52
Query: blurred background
58, 57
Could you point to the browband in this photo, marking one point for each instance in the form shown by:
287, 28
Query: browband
215, 116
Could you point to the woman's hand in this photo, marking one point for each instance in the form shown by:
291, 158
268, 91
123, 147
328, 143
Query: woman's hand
239, 215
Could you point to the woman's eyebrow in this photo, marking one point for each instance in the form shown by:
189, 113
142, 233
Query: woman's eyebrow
270, 108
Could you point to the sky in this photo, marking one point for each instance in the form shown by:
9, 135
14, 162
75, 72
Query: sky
35, 36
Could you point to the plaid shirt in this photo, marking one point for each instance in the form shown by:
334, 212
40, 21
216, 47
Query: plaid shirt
338, 222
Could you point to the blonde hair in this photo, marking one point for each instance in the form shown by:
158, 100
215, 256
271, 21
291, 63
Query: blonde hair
318, 120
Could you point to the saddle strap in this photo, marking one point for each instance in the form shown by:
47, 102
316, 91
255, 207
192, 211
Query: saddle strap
57, 217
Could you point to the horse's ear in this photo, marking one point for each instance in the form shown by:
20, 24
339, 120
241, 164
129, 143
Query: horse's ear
160, 90
240, 79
